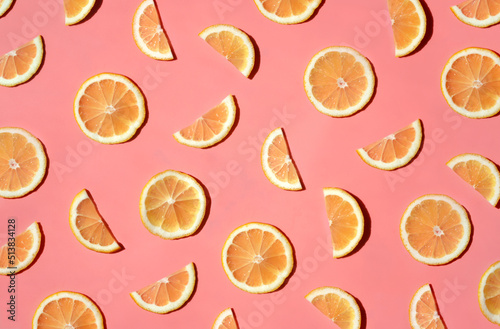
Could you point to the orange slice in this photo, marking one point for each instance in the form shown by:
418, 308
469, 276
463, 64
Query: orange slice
339, 81
67, 309
394, 151
22, 162
167, 294
480, 173
424, 311
408, 25
489, 293
435, 229
21, 64
470, 83
148, 32
172, 205
20, 251
225, 320
338, 305
211, 128
346, 220
233, 44
88, 226
287, 11
478, 13
277, 163
257, 258
76, 10
109, 108
5, 6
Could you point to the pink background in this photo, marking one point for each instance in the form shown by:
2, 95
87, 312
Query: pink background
381, 274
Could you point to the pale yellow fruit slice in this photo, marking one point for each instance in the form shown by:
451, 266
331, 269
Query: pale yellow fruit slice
489, 293
408, 25
5, 6
76, 10
225, 320
287, 11
21, 64
424, 311
14, 259
478, 13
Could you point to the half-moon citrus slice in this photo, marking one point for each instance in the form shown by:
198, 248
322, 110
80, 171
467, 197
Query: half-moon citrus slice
225, 320
287, 11
478, 13
424, 311
20, 251
408, 25
489, 293
21, 64
76, 10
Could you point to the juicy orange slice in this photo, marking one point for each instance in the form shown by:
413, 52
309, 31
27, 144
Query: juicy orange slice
109, 108
76, 10
338, 305
408, 24
424, 311
14, 259
211, 128
257, 258
339, 81
435, 229
5, 6
478, 13
21, 64
167, 294
470, 83
22, 162
287, 11
394, 151
233, 44
148, 32
67, 309
277, 163
225, 320
88, 226
489, 293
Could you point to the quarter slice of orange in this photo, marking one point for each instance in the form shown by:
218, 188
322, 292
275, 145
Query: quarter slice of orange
408, 25
76, 10
288, 11
424, 311
478, 13
21, 64
20, 251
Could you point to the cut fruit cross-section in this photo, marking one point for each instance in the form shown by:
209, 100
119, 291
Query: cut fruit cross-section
76, 10
288, 11
408, 25
225, 320
5, 6
25, 247
21, 64
478, 13
489, 293
423, 310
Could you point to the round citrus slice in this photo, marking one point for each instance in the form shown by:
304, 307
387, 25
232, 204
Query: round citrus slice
225, 320
148, 32
339, 81
287, 11
5, 6
480, 173
489, 293
20, 251
345, 219
424, 311
211, 128
478, 13
277, 163
109, 108
232, 43
394, 151
257, 258
408, 25
338, 305
21, 64
435, 229
88, 226
67, 309
76, 10
172, 205
167, 294
470, 83
22, 162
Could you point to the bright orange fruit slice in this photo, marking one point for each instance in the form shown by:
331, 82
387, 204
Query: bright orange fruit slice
478, 13
489, 293
424, 311
408, 24
287, 11
5, 6
76, 10
225, 320
17, 257
21, 64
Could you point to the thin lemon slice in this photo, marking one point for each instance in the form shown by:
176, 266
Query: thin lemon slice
76, 10
21, 64
288, 11
489, 293
5, 6
478, 13
408, 25
14, 259
424, 311
225, 320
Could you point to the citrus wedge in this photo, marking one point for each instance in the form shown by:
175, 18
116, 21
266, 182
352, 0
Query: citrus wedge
21, 64
339, 81
22, 162
22, 250
67, 309
345, 219
257, 258
408, 25
232, 43
435, 229
76, 10
148, 32
5, 6
338, 305
470, 83
394, 151
225, 320
167, 294
211, 128
172, 205
287, 11
109, 108
424, 311
480, 173
489, 293
88, 226
478, 13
